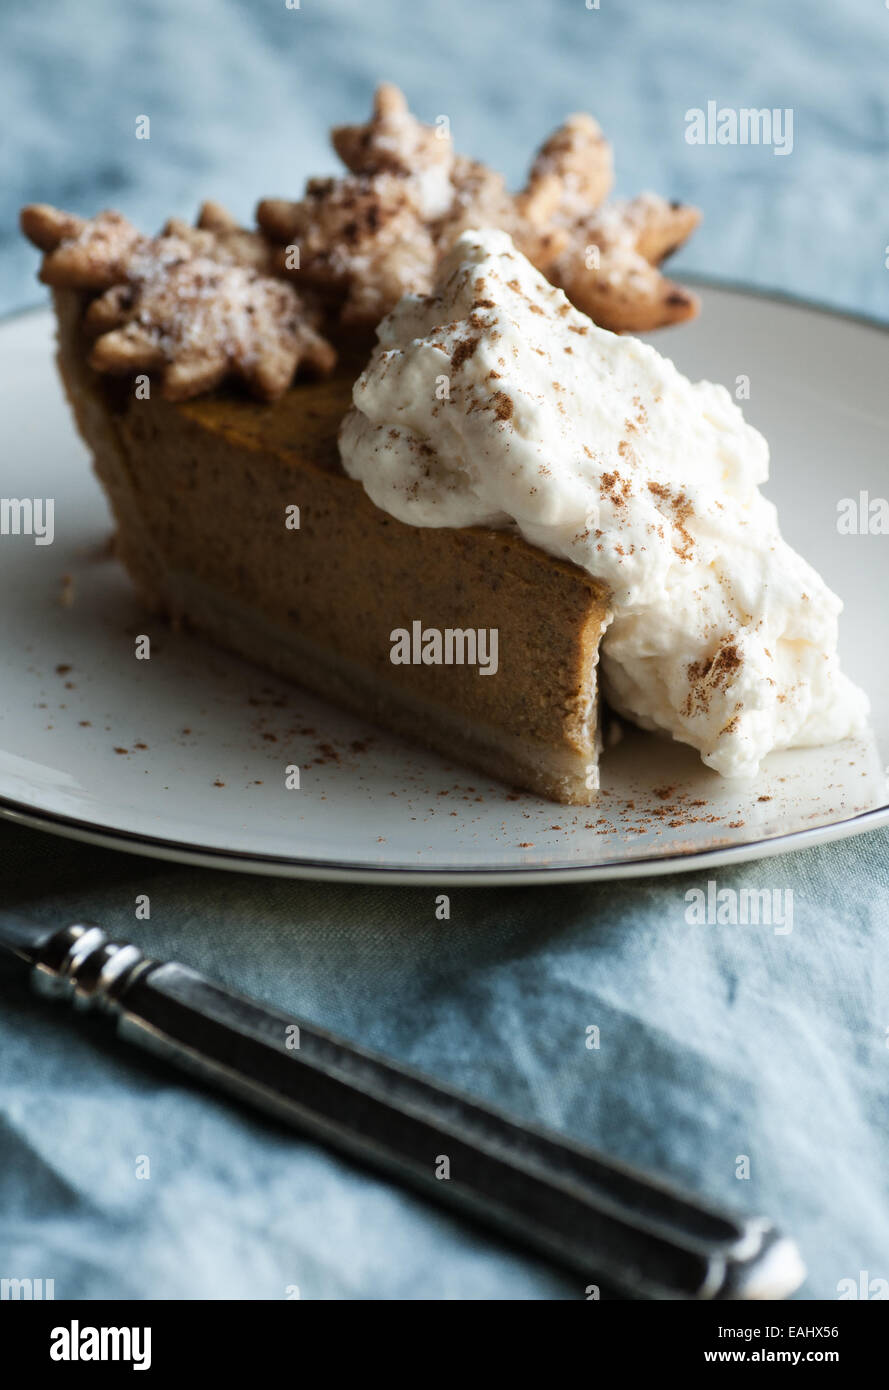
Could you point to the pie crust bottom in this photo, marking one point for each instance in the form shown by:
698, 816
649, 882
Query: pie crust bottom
554, 772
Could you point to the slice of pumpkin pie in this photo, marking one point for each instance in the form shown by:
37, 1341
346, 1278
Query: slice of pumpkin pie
447, 543
235, 516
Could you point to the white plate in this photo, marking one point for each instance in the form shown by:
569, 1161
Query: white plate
183, 757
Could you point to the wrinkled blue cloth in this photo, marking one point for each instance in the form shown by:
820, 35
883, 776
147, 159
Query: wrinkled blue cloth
747, 1064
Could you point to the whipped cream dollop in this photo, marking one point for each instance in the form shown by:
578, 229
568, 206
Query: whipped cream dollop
494, 402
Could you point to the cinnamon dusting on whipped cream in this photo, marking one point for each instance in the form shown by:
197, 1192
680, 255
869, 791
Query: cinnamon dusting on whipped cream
720, 634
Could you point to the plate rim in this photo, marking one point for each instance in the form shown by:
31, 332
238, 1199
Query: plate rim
289, 866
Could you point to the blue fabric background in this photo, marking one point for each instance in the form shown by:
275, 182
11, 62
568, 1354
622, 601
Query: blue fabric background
715, 1041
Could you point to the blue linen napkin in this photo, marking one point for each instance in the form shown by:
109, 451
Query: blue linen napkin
723, 1051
